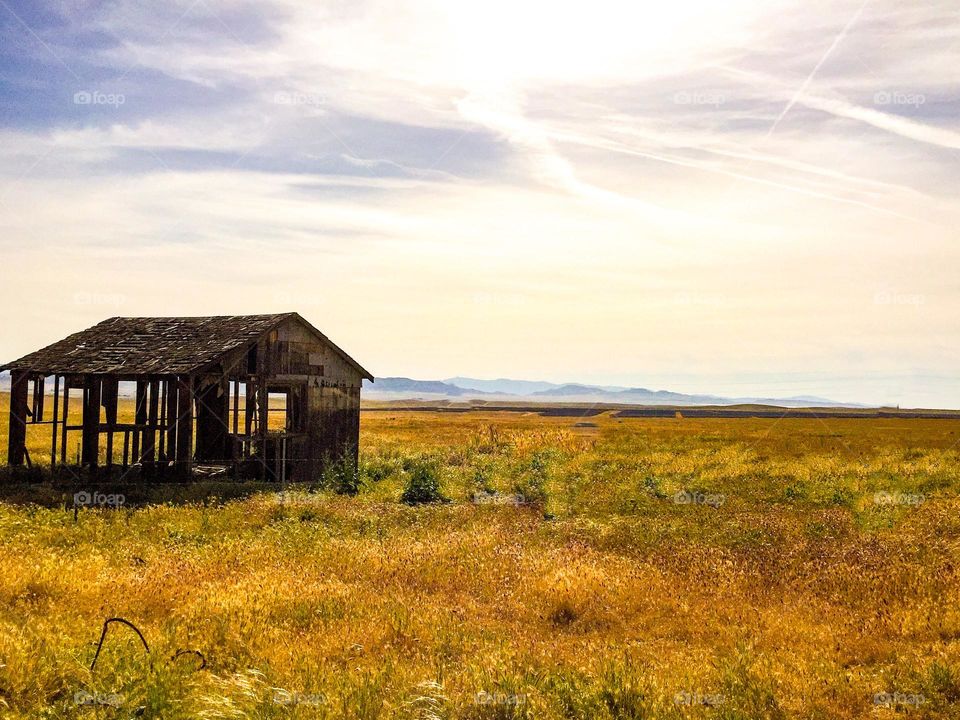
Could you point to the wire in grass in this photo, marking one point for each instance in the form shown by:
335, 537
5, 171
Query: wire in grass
103, 636
181, 653
124, 621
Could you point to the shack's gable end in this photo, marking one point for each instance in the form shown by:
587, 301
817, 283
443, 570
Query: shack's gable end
296, 349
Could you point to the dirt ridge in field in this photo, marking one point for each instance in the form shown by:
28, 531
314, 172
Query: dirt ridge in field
620, 410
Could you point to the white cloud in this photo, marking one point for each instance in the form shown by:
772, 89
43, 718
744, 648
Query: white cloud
575, 166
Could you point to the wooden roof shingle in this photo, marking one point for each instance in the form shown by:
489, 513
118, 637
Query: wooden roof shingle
155, 345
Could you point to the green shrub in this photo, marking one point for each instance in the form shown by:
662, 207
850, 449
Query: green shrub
942, 680
342, 475
795, 492
841, 496
531, 482
379, 468
483, 478
653, 487
423, 484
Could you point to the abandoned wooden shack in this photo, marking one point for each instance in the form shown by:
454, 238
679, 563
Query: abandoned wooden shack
263, 395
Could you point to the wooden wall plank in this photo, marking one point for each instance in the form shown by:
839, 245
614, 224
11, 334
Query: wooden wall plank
17, 438
150, 443
140, 418
110, 399
90, 444
185, 424
66, 418
171, 396
54, 420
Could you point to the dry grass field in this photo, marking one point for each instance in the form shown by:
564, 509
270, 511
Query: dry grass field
642, 568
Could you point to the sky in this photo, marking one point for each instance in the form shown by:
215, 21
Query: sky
740, 198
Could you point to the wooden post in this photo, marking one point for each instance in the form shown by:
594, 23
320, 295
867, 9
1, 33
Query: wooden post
39, 385
17, 440
140, 436
150, 438
91, 422
66, 420
236, 406
53, 420
171, 396
185, 424
162, 441
235, 411
110, 400
263, 401
251, 414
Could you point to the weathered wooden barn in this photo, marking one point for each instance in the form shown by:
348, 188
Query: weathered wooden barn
268, 395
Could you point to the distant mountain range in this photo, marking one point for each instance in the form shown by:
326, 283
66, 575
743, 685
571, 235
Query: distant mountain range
515, 387
399, 388
417, 387
464, 388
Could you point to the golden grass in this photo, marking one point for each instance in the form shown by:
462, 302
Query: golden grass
795, 594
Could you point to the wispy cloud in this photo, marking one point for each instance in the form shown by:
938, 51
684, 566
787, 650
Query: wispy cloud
578, 167
902, 126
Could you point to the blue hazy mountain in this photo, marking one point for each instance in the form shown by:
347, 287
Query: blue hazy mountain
398, 388
503, 386
395, 385
506, 386
509, 389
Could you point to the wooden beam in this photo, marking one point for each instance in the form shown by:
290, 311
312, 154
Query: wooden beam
66, 417
171, 396
110, 400
53, 424
162, 442
150, 436
140, 418
236, 407
17, 438
251, 414
185, 424
263, 401
90, 443
39, 384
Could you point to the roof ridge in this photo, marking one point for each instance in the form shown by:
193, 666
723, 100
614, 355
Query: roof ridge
151, 344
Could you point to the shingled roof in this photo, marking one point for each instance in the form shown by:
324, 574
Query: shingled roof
156, 345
